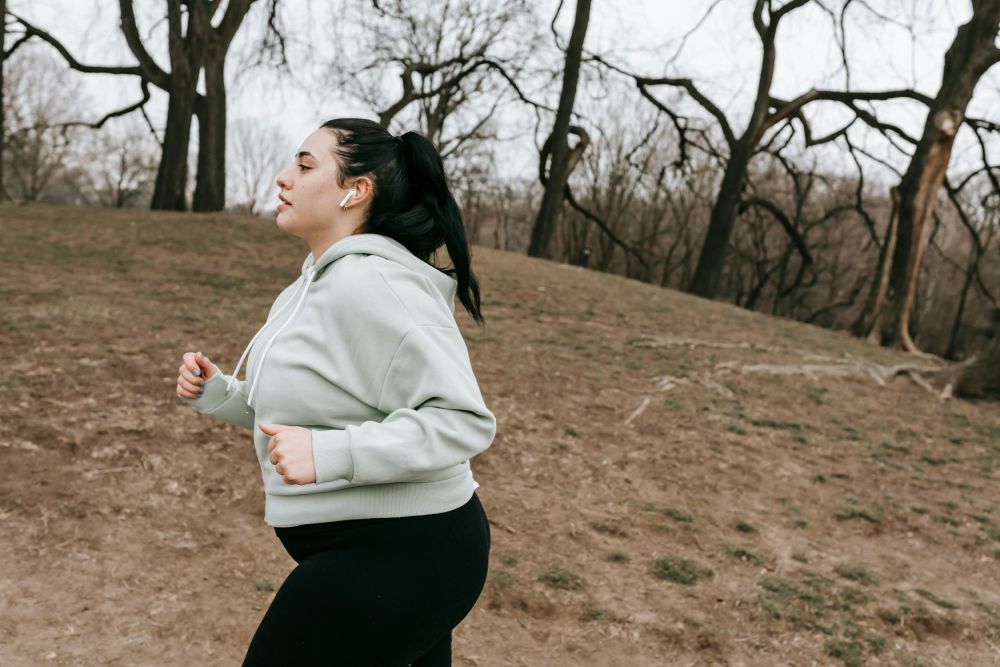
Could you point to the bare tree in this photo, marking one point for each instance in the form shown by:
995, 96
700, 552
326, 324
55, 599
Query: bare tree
4, 196
623, 189
979, 215
555, 175
210, 191
193, 44
970, 55
979, 375
796, 255
767, 112
258, 151
456, 62
480, 194
114, 166
39, 95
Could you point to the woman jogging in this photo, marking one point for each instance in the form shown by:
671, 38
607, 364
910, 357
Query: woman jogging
364, 408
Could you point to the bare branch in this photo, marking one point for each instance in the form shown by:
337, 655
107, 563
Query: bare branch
32, 30
150, 69
113, 114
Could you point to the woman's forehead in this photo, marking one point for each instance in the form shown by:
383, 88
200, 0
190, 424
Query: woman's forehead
317, 145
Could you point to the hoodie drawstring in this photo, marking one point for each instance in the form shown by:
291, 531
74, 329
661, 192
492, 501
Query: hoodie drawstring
307, 277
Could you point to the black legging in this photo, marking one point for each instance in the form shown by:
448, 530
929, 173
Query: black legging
381, 592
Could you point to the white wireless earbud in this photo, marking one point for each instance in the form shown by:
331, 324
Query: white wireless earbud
351, 193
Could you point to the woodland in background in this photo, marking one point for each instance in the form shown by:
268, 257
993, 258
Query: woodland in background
638, 175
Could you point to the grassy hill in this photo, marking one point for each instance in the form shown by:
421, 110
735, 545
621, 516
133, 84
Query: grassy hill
661, 490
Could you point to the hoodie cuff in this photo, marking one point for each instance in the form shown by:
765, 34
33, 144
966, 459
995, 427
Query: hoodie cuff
214, 396
331, 455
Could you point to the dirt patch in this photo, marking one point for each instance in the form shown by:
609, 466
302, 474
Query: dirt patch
649, 505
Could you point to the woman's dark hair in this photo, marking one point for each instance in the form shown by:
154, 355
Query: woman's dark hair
410, 202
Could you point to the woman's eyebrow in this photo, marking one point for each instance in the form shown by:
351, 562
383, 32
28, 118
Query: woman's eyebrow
302, 154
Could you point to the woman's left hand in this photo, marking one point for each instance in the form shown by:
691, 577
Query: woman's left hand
291, 451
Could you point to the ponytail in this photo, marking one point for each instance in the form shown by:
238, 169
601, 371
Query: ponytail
411, 201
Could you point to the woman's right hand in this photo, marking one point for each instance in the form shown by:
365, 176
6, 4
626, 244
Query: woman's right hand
194, 371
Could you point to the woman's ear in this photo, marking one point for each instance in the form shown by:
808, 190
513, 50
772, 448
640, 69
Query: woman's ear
364, 187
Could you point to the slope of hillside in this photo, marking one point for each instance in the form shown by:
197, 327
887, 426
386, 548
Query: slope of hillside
659, 493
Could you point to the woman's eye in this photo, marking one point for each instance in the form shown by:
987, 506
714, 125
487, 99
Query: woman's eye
302, 166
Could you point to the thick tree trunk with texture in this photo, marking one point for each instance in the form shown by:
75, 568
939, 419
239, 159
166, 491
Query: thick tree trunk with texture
187, 53
918, 195
170, 190
705, 281
210, 189
212, 110
970, 55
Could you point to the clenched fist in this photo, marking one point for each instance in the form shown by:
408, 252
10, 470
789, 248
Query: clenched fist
195, 369
291, 452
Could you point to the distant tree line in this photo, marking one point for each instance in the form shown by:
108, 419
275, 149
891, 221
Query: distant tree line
642, 175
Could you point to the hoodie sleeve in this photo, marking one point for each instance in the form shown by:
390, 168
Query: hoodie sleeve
231, 408
435, 417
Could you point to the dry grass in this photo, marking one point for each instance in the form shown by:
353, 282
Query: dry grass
650, 504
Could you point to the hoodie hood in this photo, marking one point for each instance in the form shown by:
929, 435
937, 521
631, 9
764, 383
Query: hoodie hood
383, 246
365, 244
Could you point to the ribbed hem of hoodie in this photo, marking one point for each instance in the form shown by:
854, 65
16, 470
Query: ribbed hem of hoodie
370, 501
332, 458
214, 396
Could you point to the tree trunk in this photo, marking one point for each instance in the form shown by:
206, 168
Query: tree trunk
970, 55
4, 195
956, 325
708, 271
187, 53
865, 322
210, 189
558, 174
918, 194
979, 376
170, 190
711, 260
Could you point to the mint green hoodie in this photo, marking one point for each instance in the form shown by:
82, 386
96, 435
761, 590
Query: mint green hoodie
363, 350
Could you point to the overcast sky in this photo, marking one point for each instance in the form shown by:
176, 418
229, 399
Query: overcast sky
722, 56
